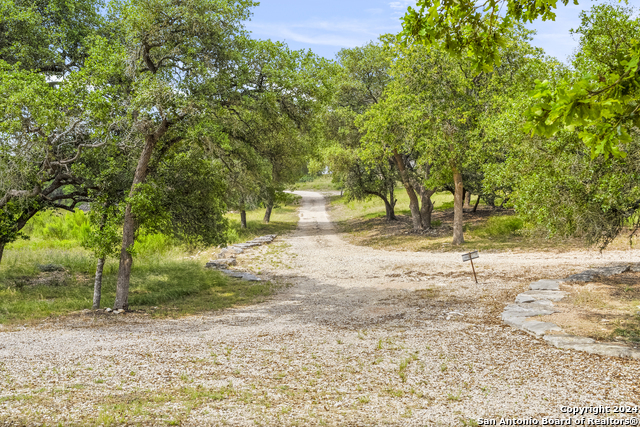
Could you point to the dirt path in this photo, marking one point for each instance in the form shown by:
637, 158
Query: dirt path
362, 337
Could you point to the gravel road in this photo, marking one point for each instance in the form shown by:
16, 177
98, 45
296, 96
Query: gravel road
355, 336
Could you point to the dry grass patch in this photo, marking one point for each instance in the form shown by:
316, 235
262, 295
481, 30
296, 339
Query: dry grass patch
605, 309
364, 224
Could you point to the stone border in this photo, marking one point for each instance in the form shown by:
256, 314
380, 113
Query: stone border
227, 257
538, 301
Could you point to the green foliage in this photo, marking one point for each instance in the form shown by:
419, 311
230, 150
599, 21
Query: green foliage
500, 226
65, 230
190, 202
284, 219
361, 78
105, 233
175, 286
600, 103
59, 225
601, 99
9, 217
48, 35
468, 29
320, 183
48, 128
150, 244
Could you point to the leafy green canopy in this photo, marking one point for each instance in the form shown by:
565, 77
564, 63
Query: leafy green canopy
600, 106
474, 29
555, 181
48, 35
361, 76
601, 99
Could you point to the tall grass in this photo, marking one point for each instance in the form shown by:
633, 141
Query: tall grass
58, 225
500, 226
163, 275
320, 183
283, 219
175, 286
69, 230
374, 207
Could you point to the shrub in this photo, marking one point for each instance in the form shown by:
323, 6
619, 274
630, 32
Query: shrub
501, 226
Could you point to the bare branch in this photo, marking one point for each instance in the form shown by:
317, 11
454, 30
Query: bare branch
65, 133
74, 158
12, 194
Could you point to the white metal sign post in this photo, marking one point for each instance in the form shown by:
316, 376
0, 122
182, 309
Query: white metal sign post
470, 257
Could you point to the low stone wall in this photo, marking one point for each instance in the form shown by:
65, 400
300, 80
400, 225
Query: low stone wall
227, 257
538, 301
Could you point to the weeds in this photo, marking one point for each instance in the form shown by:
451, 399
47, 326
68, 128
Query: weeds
283, 220
454, 397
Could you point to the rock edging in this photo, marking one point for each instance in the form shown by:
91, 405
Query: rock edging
538, 301
227, 257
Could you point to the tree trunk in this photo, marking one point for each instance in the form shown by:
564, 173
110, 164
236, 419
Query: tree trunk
267, 214
130, 225
426, 209
243, 219
414, 204
1, 251
388, 206
389, 213
458, 221
392, 204
467, 199
97, 284
475, 207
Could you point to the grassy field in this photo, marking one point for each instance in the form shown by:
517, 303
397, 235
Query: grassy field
52, 275
283, 219
374, 207
363, 223
321, 184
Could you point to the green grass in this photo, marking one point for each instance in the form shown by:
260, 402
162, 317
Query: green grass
374, 207
500, 227
321, 183
176, 286
283, 219
364, 223
630, 332
163, 274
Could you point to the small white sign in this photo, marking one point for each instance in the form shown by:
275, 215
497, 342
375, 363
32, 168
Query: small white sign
470, 256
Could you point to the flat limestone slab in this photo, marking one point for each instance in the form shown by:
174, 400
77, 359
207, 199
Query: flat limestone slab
263, 239
540, 328
515, 321
221, 263
545, 285
562, 340
523, 299
544, 295
242, 275
242, 245
611, 350
529, 310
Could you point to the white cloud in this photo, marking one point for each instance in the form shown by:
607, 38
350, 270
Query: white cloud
320, 32
401, 5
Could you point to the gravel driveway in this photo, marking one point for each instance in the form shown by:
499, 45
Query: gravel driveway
356, 337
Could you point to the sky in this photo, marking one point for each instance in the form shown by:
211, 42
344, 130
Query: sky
326, 26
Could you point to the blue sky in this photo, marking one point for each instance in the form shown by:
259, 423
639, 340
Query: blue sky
326, 26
